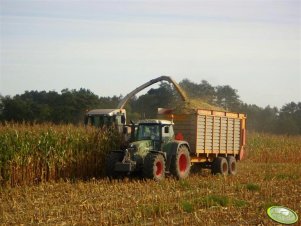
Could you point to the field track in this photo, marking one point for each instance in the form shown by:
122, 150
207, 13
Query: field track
202, 199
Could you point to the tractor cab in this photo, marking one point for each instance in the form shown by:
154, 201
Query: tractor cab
158, 131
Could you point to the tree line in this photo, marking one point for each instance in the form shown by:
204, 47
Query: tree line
70, 106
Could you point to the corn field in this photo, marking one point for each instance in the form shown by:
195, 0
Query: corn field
269, 148
64, 156
30, 154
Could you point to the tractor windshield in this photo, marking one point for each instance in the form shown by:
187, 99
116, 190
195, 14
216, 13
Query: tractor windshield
148, 132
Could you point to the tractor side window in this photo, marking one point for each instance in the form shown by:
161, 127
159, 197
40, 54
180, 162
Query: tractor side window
167, 134
170, 131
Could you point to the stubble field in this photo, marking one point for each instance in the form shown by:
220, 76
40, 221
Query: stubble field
269, 175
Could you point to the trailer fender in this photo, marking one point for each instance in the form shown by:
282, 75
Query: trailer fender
241, 154
171, 150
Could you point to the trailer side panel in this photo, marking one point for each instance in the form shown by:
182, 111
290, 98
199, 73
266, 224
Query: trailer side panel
211, 133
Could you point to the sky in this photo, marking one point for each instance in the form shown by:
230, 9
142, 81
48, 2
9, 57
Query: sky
111, 47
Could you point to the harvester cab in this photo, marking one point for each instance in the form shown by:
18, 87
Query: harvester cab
106, 117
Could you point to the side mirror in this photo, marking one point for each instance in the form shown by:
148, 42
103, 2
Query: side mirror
166, 129
122, 119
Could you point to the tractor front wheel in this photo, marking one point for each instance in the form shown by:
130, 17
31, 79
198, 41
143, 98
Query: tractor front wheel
154, 166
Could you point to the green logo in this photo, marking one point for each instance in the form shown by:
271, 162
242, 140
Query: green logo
282, 215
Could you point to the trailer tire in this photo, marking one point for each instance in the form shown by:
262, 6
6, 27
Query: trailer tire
154, 167
180, 163
220, 166
231, 165
110, 162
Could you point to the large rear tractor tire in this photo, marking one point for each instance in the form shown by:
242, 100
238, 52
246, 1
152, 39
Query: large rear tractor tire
111, 160
180, 163
232, 165
154, 167
220, 166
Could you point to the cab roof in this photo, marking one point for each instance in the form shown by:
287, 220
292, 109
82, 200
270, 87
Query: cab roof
109, 112
155, 121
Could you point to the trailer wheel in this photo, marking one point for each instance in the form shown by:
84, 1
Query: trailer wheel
154, 167
220, 165
180, 163
232, 165
110, 162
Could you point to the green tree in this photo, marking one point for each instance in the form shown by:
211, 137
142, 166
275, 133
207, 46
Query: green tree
148, 104
290, 119
67, 107
227, 98
203, 90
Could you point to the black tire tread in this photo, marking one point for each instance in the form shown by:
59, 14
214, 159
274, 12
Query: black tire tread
150, 164
217, 166
231, 160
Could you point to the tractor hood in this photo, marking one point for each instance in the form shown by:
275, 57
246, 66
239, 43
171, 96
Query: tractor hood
142, 147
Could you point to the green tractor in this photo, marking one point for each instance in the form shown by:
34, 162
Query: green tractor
152, 152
